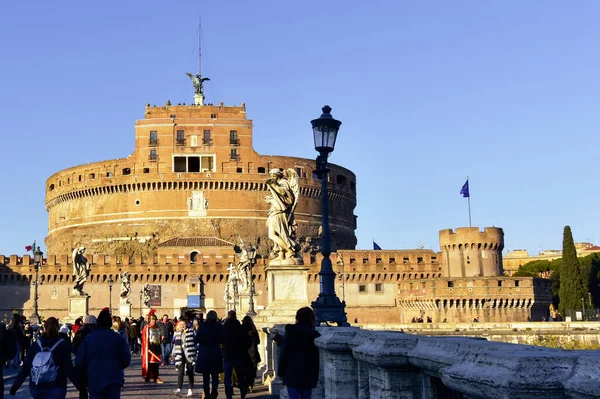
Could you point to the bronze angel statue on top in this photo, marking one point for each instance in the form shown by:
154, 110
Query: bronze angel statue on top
198, 82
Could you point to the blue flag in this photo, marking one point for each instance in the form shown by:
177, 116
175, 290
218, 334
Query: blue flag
375, 246
464, 191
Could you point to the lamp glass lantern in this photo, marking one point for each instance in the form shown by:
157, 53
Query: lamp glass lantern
325, 130
110, 281
251, 252
37, 255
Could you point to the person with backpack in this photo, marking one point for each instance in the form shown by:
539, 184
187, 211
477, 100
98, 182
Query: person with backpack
102, 358
48, 365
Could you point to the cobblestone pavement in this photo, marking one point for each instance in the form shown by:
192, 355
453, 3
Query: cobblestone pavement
135, 387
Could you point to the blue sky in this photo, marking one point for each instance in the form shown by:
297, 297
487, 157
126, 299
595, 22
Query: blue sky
505, 92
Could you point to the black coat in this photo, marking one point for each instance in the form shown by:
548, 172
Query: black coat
254, 342
209, 338
235, 342
299, 358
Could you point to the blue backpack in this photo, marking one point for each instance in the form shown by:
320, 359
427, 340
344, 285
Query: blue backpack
43, 369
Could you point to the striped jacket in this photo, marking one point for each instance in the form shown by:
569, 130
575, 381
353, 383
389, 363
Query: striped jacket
184, 346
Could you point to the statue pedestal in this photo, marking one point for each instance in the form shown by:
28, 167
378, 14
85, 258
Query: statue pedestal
198, 99
78, 306
125, 310
287, 289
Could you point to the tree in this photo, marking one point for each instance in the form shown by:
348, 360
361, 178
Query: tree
573, 282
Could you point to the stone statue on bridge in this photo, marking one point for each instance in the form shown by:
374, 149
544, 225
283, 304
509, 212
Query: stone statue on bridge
125, 287
280, 221
81, 270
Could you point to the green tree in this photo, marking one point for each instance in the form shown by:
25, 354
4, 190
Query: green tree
573, 282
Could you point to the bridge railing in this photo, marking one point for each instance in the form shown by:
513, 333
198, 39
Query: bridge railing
365, 364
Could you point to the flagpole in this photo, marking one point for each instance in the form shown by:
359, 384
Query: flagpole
469, 201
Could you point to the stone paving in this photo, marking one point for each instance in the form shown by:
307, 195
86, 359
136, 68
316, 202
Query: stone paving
135, 387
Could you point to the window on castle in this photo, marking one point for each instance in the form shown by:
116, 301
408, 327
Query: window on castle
206, 139
193, 164
213, 116
300, 172
450, 284
108, 174
365, 261
233, 155
261, 169
208, 163
434, 259
340, 179
194, 257
362, 288
315, 175
79, 177
51, 187
420, 259
378, 260
405, 260
352, 261
378, 287
92, 175
153, 137
179, 164
499, 283
126, 171
233, 137
180, 137
516, 283
392, 260
146, 170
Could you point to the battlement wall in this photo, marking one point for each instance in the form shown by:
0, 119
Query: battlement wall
489, 238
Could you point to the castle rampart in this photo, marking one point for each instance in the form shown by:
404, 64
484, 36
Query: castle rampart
470, 252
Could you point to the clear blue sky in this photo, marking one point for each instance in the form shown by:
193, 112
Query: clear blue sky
505, 92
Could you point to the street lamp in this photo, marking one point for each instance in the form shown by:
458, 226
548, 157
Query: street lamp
110, 284
252, 258
327, 307
583, 308
38, 258
141, 296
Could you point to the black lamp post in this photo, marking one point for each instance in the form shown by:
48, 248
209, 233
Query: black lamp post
251, 257
110, 284
38, 257
327, 307
141, 296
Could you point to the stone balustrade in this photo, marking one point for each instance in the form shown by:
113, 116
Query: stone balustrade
363, 364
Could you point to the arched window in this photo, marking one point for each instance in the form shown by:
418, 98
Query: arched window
194, 257
341, 179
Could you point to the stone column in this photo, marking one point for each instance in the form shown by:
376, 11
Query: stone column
269, 373
339, 366
390, 373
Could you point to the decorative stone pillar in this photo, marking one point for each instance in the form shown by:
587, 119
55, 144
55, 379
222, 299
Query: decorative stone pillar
339, 366
269, 372
125, 310
79, 305
390, 373
362, 368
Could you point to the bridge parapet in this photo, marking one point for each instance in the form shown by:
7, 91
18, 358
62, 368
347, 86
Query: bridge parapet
364, 364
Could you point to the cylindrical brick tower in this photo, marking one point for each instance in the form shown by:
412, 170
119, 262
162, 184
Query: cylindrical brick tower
193, 173
469, 252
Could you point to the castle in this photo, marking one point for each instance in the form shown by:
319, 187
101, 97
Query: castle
194, 187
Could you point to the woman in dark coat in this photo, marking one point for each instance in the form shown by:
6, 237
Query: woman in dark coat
250, 330
209, 363
299, 359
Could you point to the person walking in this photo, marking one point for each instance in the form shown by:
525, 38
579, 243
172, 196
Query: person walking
27, 339
15, 329
184, 354
299, 358
251, 332
134, 333
8, 348
48, 377
166, 338
151, 349
235, 354
102, 358
209, 363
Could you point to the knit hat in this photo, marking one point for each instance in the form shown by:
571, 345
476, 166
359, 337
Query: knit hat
64, 330
90, 319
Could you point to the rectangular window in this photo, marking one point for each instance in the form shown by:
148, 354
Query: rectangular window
92, 175
108, 174
499, 283
233, 137
234, 155
153, 137
378, 287
153, 155
434, 259
146, 170
362, 288
261, 169
193, 164
300, 172
420, 259
126, 171
207, 164
516, 283
405, 260
206, 140
378, 261
392, 260
450, 284
315, 176
352, 261
365, 261
179, 164
213, 116
180, 137
79, 177
240, 170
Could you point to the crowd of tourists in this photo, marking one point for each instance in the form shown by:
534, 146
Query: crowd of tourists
94, 352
